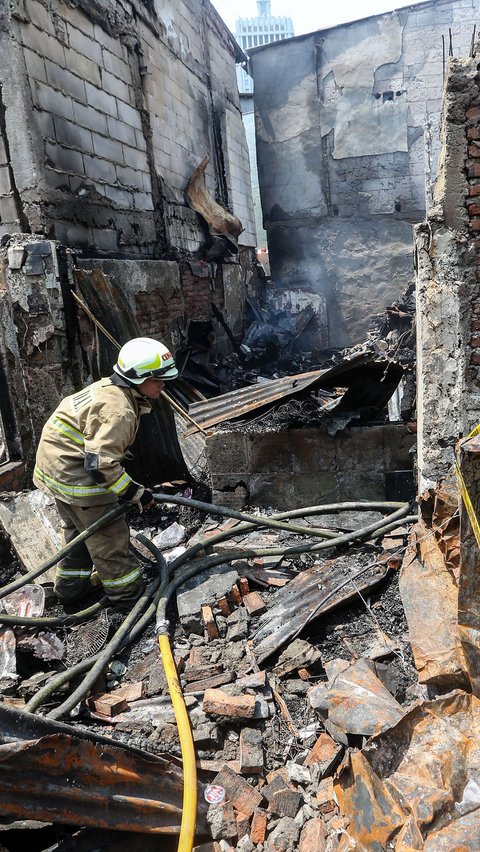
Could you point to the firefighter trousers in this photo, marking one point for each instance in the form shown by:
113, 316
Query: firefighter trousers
107, 550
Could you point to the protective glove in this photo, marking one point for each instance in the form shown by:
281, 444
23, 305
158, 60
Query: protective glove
146, 500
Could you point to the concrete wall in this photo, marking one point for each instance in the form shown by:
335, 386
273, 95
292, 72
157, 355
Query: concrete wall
248, 113
303, 467
107, 107
347, 139
448, 284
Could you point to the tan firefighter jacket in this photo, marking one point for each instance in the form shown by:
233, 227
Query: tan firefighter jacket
79, 458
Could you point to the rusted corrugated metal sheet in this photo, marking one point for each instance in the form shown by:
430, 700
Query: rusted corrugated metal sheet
312, 593
430, 600
51, 774
416, 783
359, 703
242, 401
370, 383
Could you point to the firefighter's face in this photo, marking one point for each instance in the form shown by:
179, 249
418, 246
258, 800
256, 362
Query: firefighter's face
151, 388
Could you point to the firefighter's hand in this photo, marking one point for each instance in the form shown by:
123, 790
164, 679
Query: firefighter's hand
146, 501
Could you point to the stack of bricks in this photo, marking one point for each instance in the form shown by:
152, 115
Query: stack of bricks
472, 116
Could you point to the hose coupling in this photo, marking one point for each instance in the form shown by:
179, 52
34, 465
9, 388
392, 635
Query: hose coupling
162, 627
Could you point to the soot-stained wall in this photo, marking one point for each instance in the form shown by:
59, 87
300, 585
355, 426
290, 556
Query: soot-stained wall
347, 145
106, 108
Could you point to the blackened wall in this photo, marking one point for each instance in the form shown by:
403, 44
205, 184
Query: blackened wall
347, 144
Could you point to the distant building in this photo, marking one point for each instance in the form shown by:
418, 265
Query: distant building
252, 32
249, 33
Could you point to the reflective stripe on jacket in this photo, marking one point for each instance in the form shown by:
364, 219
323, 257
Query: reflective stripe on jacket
101, 420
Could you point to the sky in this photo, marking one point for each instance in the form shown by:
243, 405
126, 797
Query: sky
309, 15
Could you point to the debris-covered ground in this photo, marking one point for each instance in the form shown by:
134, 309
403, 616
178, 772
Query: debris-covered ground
287, 663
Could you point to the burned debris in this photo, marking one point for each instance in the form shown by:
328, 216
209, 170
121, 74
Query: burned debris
298, 669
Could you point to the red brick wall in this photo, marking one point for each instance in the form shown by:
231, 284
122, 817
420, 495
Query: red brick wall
12, 476
199, 293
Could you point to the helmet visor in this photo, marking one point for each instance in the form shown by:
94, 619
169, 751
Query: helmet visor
157, 373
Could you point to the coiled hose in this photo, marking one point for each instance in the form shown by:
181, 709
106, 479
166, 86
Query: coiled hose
162, 591
157, 597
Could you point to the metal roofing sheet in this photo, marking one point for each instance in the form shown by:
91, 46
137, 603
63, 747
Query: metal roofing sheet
373, 371
236, 403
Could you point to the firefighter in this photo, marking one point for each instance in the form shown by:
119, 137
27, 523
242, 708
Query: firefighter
79, 462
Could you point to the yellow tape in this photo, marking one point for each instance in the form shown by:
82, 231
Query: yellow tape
466, 496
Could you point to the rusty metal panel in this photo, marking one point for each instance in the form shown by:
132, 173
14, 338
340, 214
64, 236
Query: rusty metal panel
430, 600
59, 777
409, 783
312, 593
359, 703
242, 401
370, 382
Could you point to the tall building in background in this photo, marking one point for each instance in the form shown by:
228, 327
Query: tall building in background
251, 32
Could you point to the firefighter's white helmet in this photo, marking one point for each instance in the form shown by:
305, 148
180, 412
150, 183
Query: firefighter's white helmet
143, 358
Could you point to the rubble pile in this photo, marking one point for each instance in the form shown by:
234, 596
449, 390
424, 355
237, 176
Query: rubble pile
286, 662
276, 345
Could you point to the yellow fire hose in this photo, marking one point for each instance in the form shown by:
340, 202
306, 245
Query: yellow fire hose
189, 811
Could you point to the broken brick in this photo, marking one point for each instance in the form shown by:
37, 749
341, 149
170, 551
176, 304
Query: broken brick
210, 682
258, 829
304, 674
224, 607
325, 796
218, 703
243, 586
229, 829
243, 825
278, 774
313, 836
209, 622
245, 798
251, 751
107, 704
298, 655
196, 657
130, 691
200, 672
235, 595
285, 802
254, 603
208, 847
325, 750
